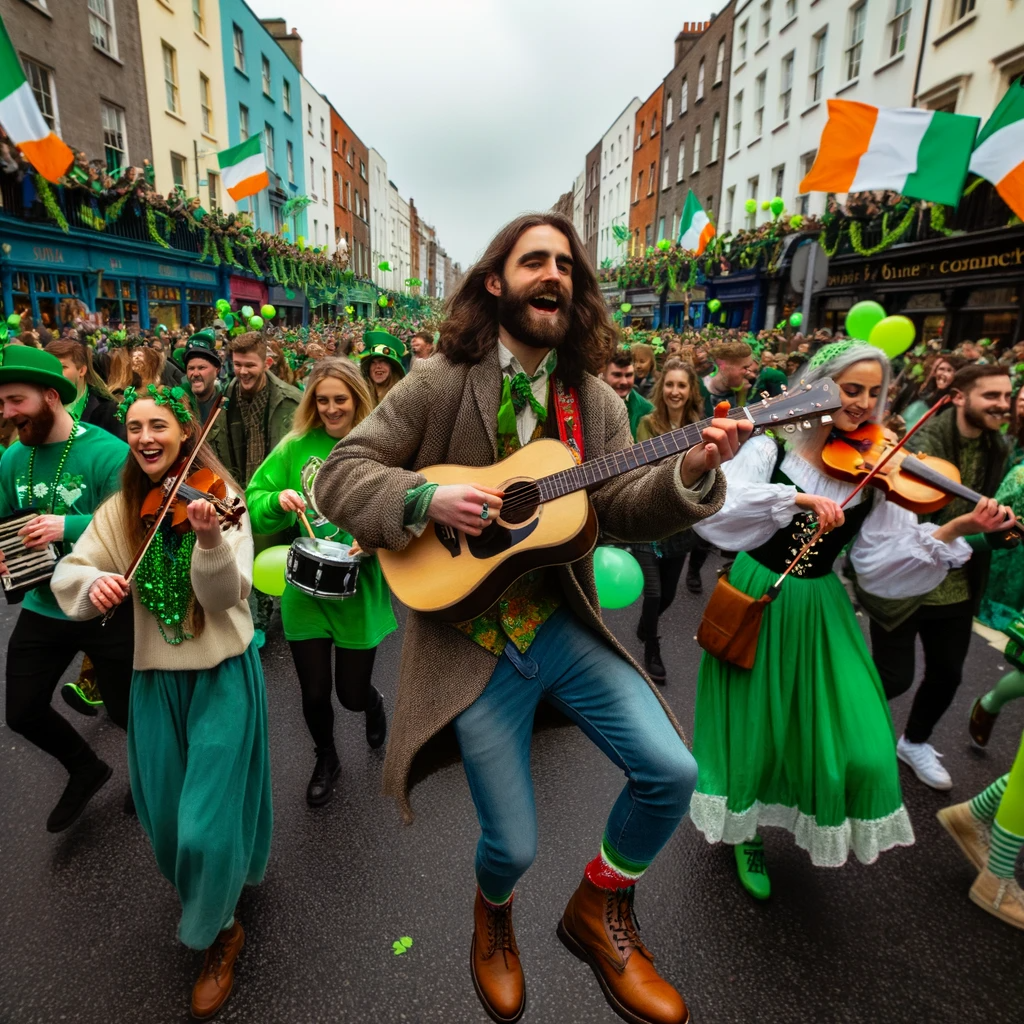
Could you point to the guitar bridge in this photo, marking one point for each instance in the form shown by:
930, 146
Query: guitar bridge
449, 539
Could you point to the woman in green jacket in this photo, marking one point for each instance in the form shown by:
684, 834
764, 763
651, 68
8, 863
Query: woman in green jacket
335, 400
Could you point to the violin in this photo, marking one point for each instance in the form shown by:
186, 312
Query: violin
202, 485
920, 483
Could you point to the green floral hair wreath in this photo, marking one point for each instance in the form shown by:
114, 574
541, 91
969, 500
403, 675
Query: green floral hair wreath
172, 397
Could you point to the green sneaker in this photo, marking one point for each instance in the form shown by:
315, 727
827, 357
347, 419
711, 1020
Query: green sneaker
752, 869
84, 701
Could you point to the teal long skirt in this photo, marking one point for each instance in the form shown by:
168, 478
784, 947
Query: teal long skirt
804, 740
200, 772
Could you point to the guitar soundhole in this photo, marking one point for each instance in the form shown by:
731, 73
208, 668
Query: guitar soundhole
521, 500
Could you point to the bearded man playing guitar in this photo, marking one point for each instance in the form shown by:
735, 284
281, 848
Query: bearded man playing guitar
526, 333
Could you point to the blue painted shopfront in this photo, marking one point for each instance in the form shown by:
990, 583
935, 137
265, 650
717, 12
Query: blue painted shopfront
46, 272
742, 296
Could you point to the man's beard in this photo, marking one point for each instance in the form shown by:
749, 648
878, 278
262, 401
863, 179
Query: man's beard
37, 428
977, 418
514, 316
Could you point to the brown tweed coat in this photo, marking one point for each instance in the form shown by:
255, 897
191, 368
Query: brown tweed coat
448, 413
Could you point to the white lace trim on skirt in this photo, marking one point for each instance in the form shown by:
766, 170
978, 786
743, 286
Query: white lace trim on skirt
828, 845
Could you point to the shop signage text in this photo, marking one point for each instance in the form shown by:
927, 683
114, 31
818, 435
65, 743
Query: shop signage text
868, 273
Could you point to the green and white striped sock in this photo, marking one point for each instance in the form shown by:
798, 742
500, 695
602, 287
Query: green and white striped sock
986, 803
1002, 857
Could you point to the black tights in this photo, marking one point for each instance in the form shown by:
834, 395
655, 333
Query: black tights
661, 577
352, 672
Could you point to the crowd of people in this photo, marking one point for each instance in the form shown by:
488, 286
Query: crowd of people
324, 432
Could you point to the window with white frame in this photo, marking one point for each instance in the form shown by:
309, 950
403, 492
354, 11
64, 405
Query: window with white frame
654, 124
243, 121
238, 41
115, 146
198, 17
309, 118
681, 161
700, 82
779, 179
816, 78
206, 104
737, 119
899, 24
695, 166
684, 96
668, 111
213, 184
101, 26
650, 179
720, 62
790, 11
752, 187
40, 81
323, 192
286, 96
179, 170
730, 207
766, 20
323, 133
675, 226
664, 170
803, 201
741, 41
855, 39
760, 86
716, 137
312, 177
960, 9
786, 87
268, 144
265, 75
170, 78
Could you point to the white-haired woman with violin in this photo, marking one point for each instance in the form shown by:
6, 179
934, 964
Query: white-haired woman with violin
197, 730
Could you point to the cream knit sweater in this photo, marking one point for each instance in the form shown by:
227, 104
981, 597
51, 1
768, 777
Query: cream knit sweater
221, 579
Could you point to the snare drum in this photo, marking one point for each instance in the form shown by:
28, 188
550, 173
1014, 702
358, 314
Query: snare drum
322, 568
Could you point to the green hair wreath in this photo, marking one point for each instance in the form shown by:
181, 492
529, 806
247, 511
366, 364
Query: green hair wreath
171, 397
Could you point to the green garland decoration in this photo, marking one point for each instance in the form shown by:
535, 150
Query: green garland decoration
50, 202
251, 260
937, 220
888, 237
115, 209
151, 225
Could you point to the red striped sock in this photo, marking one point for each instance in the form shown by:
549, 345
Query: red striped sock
600, 873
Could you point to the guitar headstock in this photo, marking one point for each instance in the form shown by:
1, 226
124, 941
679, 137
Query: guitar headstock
800, 406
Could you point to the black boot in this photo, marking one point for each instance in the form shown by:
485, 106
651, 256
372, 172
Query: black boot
376, 720
83, 785
694, 584
321, 782
653, 664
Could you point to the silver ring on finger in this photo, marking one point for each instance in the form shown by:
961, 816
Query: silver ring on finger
484, 511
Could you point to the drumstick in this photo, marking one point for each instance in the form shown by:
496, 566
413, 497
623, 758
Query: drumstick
305, 523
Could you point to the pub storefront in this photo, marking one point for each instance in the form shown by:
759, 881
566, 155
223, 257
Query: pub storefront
958, 289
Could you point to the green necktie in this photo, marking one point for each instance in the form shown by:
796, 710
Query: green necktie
521, 389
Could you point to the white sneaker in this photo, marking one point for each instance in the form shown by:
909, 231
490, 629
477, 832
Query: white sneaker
923, 758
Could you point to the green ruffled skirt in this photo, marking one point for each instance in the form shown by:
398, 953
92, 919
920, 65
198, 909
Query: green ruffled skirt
200, 771
804, 740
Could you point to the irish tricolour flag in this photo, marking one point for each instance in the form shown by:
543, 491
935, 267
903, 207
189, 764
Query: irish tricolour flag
922, 154
695, 229
244, 168
999, 152
22, 119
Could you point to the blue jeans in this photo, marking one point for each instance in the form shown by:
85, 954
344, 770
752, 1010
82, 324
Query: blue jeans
571, 668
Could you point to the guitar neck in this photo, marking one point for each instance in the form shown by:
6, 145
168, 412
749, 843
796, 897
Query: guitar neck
654, 449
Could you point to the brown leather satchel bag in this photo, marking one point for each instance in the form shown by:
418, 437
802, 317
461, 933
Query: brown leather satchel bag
731, 624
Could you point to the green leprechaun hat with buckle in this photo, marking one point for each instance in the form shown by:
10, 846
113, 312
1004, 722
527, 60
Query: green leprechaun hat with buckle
381, 345
21, 364
204, 345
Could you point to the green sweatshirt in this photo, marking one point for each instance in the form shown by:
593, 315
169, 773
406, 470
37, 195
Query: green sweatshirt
359, 622
91, 472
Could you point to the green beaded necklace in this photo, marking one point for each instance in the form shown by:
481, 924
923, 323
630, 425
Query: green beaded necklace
165, 582
30, 495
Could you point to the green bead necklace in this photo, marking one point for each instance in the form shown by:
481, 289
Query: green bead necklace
164, 581
30, 495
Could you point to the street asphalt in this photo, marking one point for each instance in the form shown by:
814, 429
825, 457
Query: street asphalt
87, 924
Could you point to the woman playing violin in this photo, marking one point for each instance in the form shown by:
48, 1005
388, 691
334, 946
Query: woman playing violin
197, 732
804, 740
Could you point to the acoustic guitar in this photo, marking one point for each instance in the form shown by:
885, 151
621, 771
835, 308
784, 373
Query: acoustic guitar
546, 517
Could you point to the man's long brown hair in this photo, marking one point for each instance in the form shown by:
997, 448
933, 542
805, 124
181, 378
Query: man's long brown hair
471, 327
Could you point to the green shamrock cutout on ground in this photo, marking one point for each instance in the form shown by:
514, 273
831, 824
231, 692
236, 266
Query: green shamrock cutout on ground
402, 945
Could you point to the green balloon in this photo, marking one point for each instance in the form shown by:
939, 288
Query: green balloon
14, 320
750, 206
268, 312
715, 305
382, 301
777, 205
626, 307
893, 335
229, 320
223, 306
796, 319
255, 322
620, 580
268, 570
247, 312
861, 319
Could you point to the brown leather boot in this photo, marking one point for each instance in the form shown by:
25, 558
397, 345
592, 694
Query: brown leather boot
217, 977
494, 962
598, 927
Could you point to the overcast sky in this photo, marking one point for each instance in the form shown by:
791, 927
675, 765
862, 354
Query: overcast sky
484, 108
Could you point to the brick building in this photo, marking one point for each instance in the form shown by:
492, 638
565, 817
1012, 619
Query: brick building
694, 116
84, 65
350, 159
645, 184
592, 201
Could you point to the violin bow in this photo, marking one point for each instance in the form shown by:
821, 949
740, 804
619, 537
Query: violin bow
172, 495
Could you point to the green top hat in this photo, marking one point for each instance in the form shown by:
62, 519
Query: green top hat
203, 345
21, 364
381, 351
375, 337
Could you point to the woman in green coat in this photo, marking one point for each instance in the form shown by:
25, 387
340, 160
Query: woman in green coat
334, 401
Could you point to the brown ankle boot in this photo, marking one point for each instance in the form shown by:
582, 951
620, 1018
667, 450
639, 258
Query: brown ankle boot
494, 962
598, 927
217, 977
